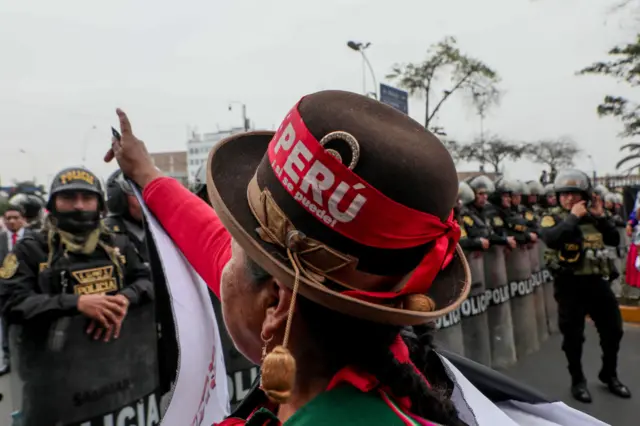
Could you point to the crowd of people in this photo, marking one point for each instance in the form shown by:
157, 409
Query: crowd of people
328, 273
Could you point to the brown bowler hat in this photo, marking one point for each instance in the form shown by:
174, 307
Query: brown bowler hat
355, 200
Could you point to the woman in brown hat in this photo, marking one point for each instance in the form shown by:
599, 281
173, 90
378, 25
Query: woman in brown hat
328, 237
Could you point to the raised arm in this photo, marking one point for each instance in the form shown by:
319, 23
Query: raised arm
193, 225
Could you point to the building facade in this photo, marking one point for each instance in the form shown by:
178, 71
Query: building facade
173, 164
199, 146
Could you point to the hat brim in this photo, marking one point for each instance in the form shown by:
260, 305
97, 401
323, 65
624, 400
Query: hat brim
232, 164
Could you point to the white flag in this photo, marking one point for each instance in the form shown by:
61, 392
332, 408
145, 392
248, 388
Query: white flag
200, 395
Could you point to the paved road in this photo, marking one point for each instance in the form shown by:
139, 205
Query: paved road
546, 371
6, 403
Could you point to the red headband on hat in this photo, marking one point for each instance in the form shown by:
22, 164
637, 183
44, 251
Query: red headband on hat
349, 205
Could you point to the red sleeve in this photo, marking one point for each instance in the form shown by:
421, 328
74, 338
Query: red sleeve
193, 226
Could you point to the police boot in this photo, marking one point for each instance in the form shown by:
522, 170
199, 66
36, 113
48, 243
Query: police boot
580, 392
614, 385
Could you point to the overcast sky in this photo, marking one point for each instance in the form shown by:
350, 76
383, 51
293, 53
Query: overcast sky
66, 65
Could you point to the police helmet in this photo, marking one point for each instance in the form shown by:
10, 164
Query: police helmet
465, 193
200, 182
31, 205
75, 179
506, 186
619, 199
611, 197
535, 187
520, 188
573, 180
482, 182
117, 190
601, 190
549, 189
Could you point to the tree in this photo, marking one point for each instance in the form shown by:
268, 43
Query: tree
444, 58
493, 151
624, 66
455, 149
553, 153
634, 149
482, 100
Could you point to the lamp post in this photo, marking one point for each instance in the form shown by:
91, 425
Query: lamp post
245, 120
361, 47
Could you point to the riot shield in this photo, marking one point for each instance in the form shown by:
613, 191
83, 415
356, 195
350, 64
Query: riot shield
65, 377
503, 351
475, 324
449, 332
523, 307
240, 371
538, 292
551, 306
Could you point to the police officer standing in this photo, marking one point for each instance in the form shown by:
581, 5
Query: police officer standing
478, 231
74, 264
125, 213
502, 216
32, 205
576, 233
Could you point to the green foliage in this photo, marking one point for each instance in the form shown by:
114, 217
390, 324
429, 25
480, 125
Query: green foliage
554, 153
624, 66
444, 59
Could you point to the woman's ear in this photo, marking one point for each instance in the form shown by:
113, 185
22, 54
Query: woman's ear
278, 309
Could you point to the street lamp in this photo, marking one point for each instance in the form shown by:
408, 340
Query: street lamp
361, 47
245, 120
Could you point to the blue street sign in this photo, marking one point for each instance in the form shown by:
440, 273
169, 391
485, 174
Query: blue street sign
399, 99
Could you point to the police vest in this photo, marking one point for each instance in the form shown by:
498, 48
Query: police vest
83, 274
475, 225
585, 256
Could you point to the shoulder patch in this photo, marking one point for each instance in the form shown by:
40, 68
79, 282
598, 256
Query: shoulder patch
42, 266
468, 220
529, 216
497, 221
463, 232
9, 266
547, 222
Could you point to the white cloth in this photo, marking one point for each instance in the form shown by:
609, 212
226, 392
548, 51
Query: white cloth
200, 395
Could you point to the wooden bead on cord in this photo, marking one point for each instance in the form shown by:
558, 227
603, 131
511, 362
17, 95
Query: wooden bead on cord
278, 374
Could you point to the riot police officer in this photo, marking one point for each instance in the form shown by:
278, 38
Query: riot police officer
576, 233
32, 205
502, 216
240, 371
74, 264
548, 201
479, 233
199, 185
124, 212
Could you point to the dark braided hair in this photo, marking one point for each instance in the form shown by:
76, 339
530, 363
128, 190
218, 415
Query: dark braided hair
354, 342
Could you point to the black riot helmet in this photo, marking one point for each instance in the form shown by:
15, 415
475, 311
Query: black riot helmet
31, 205
502, 186
465, 193
75, 179
117, 190
481, 182
199, 185
573, 180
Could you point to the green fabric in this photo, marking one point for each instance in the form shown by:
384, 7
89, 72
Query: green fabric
344, 406
594, 261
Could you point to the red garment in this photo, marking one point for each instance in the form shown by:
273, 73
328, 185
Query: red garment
632, 275
193, 226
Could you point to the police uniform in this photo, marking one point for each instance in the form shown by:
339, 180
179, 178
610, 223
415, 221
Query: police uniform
578, 259
118, 219
49, 271
504, 220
